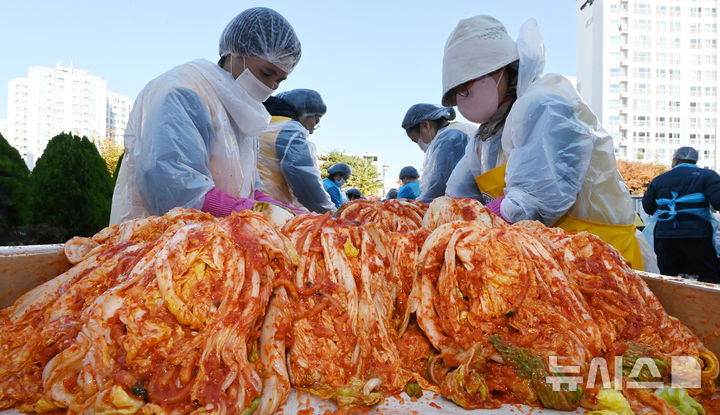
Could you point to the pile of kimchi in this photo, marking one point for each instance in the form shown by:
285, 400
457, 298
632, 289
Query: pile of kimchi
187, 313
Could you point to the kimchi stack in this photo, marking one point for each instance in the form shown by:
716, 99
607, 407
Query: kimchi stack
186, 313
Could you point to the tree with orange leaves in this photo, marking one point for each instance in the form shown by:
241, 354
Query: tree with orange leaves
638, 175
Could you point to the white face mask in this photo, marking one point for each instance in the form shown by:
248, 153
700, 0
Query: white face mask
423, 145
253, 86
340, 182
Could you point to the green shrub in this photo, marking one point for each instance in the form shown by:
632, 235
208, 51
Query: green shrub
71, 187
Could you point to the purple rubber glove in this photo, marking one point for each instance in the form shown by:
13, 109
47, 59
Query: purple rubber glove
494, 206
262, 197
220, 204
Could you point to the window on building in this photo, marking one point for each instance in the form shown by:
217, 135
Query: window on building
694, 12
641, 89
694, 43
710, 59
661, 41
674, 106
641, 121
660, 10
694, 28
693, 107
696, 75
642, 24
675, 90
675, 27
674, 122
641, 105
675, 73
710, 75
675, 11
710, 107
710, 123
693, 122
642, 8
659, 73
710, 43
641, 56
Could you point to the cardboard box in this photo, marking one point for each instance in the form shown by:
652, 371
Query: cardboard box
695, 304
25, 267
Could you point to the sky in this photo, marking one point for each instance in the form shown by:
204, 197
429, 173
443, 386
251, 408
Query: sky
370, 60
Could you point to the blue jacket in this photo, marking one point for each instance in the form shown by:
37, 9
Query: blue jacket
409, 191
684, 179
334, 191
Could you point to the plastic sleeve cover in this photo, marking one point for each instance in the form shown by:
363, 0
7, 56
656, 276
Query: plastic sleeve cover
461, 182
440, 163
173, 164
548, 162
298, 168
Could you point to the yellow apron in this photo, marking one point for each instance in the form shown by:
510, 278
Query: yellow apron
622, 237
268, 165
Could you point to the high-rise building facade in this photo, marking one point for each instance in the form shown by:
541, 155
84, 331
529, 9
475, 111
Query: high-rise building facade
118, 113
649, 70
52, 100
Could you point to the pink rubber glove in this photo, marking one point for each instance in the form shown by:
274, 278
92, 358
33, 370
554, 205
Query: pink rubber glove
262, 197
220, 204
494, 206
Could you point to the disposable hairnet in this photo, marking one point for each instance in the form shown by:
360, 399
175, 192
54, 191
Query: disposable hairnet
353, 192
421, 112
341, 168
304, 101
392, 194
478, 46
262, 33
686, 153
409, 171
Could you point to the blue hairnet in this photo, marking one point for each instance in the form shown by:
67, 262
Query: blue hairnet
304, 102
392, 194
686, 153
409, 171
341, 168
353, 192
422, 112
262, 33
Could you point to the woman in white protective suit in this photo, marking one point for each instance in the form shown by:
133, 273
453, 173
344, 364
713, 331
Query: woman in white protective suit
540, 153
191, 140
287, 161
442, 141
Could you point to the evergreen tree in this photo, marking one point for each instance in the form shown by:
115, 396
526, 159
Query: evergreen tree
364, 175
71, 187
14, 193
117, 169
